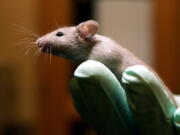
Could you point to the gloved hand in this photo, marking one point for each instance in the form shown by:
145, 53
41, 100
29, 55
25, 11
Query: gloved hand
140, 105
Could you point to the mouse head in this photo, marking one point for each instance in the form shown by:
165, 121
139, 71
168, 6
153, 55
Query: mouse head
71, 42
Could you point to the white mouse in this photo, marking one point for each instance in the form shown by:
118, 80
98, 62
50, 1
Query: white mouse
80, 43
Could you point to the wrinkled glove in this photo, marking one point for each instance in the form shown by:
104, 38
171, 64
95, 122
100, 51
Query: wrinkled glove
140, 105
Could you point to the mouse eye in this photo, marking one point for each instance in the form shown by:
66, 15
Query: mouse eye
59, 34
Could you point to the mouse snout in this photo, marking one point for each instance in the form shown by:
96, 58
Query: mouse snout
39, 43
42, 43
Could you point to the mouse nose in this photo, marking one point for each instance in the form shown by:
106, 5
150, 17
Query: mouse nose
43, 44
39, 43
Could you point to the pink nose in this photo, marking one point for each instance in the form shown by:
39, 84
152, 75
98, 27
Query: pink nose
39, 43
42, 43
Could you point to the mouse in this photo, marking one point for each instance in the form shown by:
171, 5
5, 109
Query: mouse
82, 42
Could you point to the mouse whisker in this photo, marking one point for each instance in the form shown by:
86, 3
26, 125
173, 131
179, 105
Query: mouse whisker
56, 23
27, 52
45, 58
36, 54
25, 46
32, 35
21, 42
30, 45
25, 42
25, 30
46, 54
50, 54
33, 42
29, 48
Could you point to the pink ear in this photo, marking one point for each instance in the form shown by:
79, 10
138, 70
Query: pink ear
88, 29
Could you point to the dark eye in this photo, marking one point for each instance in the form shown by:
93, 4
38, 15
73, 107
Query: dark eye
59, 34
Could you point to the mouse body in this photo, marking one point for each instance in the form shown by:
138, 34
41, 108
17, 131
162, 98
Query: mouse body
80, 43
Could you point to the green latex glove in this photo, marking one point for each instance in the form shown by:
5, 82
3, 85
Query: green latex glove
149, 101
176, 120
102, 101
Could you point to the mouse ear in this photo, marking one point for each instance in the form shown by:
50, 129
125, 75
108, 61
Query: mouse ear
87, 29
